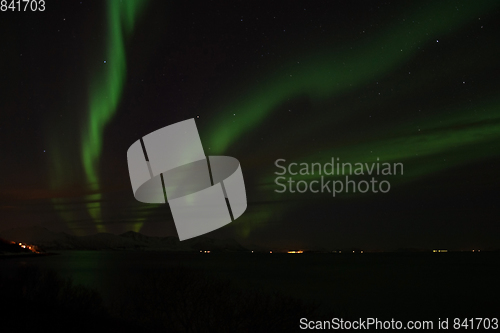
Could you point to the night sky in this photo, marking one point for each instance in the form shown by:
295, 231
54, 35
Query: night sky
301, 81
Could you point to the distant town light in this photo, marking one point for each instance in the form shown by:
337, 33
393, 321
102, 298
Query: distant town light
270, 251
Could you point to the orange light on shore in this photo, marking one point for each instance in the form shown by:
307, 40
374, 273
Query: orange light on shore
32, 248
300, 251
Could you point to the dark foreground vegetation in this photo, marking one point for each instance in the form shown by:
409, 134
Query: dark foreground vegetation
178, 300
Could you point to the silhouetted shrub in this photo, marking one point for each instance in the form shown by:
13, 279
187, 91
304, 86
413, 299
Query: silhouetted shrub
178, 300
35, 299
190, 300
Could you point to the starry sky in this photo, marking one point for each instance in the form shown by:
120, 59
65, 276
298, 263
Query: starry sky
361, 81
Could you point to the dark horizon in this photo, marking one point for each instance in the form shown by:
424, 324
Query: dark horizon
34, 236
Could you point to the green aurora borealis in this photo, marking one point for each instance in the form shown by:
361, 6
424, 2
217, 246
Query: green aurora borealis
106, 88
326, 73
402, 83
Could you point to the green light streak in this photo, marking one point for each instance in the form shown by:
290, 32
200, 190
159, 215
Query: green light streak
142, 216
105, 92
465, 138
330, 73
323, 74
456, 139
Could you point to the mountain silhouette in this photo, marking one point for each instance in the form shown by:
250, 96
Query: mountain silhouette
130, 240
